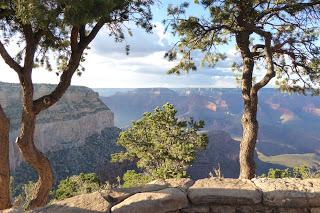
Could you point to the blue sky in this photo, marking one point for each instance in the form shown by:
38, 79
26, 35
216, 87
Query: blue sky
107, 65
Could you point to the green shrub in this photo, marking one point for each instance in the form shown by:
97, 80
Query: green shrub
296, 172
302, 172
133, 179
76, 185
162, 145
278, 173
28, 193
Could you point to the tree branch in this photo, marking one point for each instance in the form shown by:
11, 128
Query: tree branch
77, 49
87, 39
74, 38
270, 66
46, 101
9, 60
287, 7
32, 41
255, 49
25, 76
82, 32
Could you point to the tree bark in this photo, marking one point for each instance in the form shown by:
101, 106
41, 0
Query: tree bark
25, 141
248, 143
5, 201
249, 120
36, 159
32, 108
250, 102
249, 89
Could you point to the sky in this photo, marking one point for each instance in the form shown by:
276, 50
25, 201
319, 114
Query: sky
108, 66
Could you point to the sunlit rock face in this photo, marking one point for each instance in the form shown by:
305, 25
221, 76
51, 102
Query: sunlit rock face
79, 114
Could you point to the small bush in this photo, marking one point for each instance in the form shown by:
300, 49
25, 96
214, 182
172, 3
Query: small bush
133, 179
278, 173
296, 172
76, 185
28, 193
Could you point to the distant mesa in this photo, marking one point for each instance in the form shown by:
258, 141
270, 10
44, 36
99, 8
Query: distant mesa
288, 123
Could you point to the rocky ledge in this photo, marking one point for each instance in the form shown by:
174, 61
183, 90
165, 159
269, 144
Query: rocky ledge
202, 196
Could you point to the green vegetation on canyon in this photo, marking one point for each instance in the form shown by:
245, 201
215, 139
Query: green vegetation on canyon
302, 172
76, 185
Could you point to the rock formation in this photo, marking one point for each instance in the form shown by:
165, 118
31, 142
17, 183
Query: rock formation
79, 114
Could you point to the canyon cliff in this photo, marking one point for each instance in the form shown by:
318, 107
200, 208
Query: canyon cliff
78, 115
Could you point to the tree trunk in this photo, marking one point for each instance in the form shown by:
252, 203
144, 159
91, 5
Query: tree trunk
248, 143
5, 202
36, 159
250, 102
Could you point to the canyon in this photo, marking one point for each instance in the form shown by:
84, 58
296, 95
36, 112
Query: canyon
79, 133
78, 115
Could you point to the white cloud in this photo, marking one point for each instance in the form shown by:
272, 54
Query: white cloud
141, 43
108, 66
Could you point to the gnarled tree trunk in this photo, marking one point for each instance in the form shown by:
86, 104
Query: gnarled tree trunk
249, 137
36, 159
249, 117
31, 108
249, 88
25, 141
4, 161
250, 97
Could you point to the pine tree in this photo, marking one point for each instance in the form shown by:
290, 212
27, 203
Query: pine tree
162, 146
281, 37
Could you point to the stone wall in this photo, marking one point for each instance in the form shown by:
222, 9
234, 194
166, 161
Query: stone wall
212, 195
